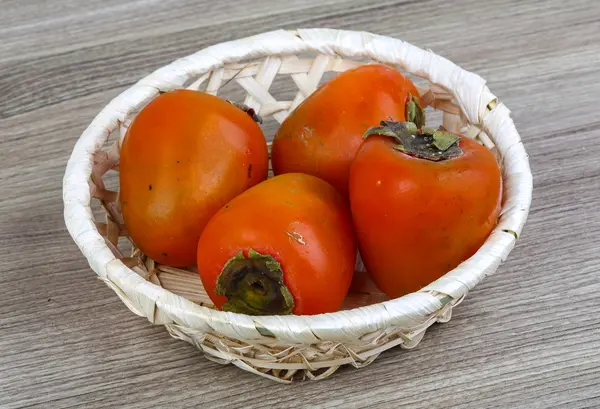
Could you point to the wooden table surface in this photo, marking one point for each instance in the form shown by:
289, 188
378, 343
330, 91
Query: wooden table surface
527, 337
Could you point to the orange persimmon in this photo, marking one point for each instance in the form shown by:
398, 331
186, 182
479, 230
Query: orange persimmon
284, 246
184, 156
321, 136
422, 202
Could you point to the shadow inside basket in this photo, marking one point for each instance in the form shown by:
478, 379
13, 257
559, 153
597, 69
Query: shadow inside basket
236, 83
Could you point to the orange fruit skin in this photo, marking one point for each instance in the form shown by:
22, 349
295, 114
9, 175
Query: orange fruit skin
299, 220
184, 156
322, 135
417, 219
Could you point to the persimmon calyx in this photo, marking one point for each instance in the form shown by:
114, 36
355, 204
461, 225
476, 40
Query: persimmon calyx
424, 142
413, 112
250, 111
254, 285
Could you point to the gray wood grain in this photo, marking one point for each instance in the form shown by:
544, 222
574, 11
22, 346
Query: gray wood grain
527, 337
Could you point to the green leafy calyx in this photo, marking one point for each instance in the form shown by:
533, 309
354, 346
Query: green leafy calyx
421, 142
254, 285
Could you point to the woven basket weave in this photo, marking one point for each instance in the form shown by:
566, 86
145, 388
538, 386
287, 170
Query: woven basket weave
278, 347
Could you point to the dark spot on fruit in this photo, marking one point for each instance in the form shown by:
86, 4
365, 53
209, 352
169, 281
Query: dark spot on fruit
226, 206
177, 161
249, 171
164, 254
149, 187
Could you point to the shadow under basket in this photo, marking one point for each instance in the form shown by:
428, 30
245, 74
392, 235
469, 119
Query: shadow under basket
273, 73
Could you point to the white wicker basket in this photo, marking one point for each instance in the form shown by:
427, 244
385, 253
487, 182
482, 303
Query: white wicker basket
280, 346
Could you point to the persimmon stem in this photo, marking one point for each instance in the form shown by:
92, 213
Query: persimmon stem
250, 111
254, 285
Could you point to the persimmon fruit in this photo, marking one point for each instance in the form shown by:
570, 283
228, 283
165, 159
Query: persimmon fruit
321, 136
184, 156
284, 246
422, 201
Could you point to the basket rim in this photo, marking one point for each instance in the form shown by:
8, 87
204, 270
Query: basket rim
148, 299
